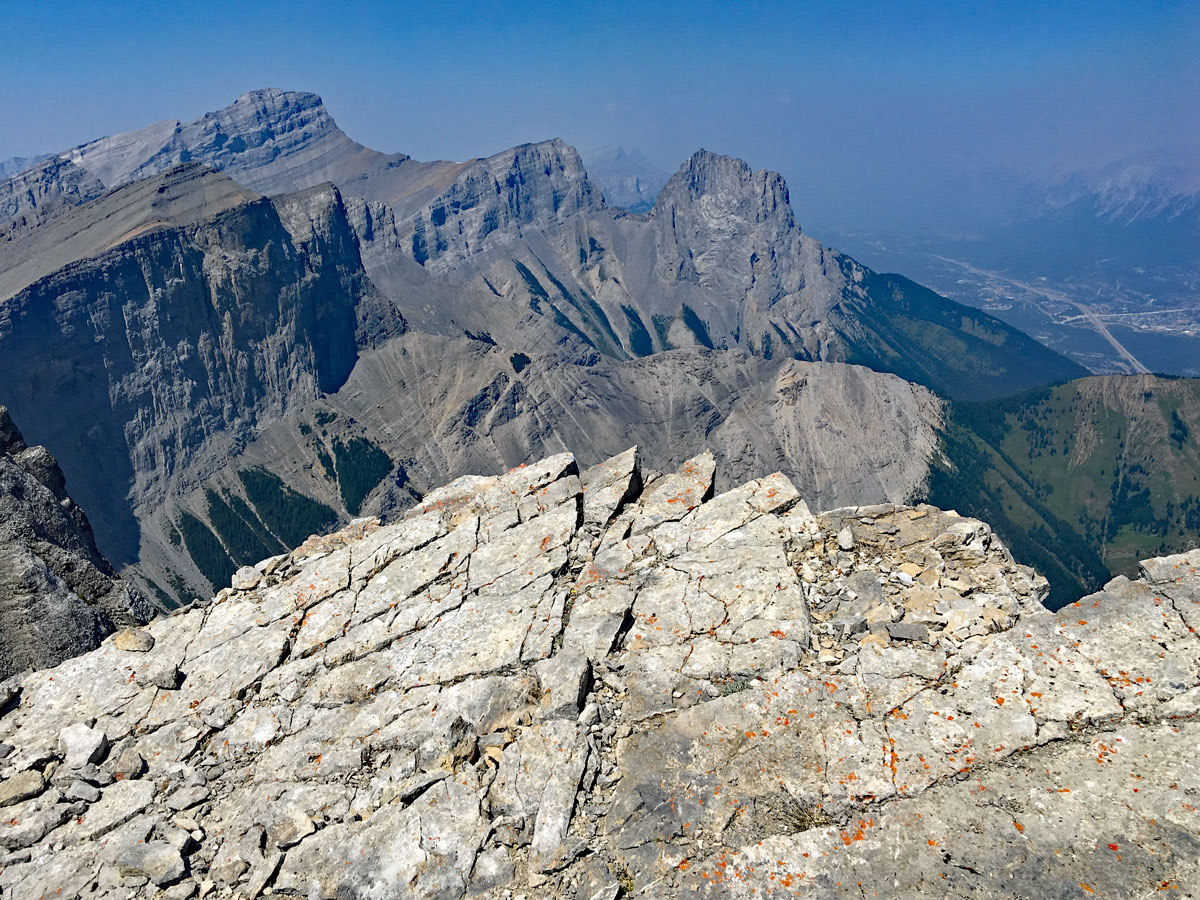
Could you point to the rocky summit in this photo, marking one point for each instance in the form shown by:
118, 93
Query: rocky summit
606, 683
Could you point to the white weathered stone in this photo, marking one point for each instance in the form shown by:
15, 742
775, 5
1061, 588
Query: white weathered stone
81, 745
409, 710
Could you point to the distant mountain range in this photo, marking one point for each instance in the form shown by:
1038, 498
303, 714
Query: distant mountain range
1131, 216
236, 331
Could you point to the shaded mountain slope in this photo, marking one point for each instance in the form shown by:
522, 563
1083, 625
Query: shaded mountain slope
58, 596
1083, 479
184, 195
161, 355
719, 262
957, 350
425, 408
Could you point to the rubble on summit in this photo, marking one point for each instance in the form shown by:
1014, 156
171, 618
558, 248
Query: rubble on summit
608, 683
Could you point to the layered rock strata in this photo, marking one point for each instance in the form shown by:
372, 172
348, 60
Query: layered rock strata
163, 353
557, 683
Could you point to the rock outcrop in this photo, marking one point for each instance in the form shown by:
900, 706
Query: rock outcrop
557, 683
58, 596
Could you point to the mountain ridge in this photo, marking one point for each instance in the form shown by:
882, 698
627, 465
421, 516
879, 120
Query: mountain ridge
513, 261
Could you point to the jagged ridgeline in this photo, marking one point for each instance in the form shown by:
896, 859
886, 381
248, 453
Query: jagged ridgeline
616, 682
246, 370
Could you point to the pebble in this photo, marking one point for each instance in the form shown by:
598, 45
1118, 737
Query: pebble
134, 640
81, 790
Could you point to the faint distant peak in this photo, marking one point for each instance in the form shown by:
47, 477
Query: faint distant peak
18, 164
625, 176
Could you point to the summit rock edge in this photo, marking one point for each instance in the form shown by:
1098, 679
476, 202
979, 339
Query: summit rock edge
612, 682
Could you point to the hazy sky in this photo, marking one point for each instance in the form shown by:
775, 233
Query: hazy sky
867, 108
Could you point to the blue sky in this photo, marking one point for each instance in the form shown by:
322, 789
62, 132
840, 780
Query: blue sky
860, 105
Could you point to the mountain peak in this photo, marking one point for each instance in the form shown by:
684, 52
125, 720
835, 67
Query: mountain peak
538, 184
279, 95
728, 180
721, 216
627, 178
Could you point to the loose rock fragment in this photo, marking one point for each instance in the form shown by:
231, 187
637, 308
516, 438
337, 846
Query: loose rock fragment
134, 640
82, 745
845, 539
21, 786
159, 861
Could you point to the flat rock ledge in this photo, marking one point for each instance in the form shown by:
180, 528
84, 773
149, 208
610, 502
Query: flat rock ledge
608, 683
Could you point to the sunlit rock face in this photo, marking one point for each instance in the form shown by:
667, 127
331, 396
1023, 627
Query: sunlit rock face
573, 683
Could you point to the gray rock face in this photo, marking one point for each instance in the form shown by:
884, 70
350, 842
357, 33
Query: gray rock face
58, 596
719, 262
158, 861
843, 433
184, 195
204, 325
515, 690
268, 140
535, 185
442, 406
261, 322
160, 354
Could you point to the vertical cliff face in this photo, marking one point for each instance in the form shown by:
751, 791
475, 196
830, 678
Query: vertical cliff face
58, 595
160, 355
727, 245
721, 224
47, 186
534, 185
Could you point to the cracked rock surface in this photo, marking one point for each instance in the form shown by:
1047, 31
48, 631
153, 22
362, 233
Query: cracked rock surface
556, 683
